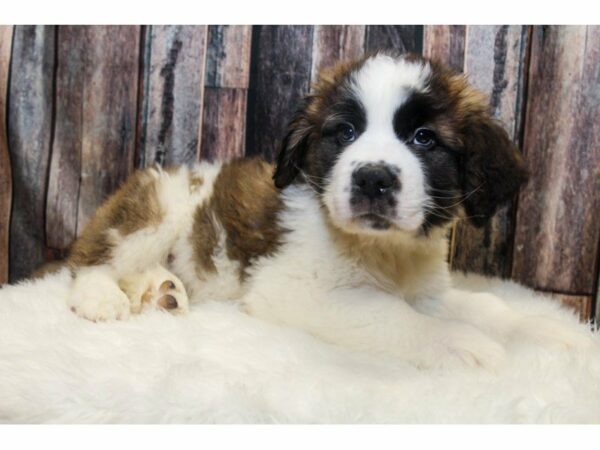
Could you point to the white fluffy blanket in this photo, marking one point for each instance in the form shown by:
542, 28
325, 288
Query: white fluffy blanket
219, 365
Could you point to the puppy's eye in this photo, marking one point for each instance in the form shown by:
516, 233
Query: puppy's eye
346, 134
424, 138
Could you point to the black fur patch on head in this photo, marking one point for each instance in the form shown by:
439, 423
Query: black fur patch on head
418, 110
311, 146
440, 162
346, 109
293, 148
321, 157
493, 169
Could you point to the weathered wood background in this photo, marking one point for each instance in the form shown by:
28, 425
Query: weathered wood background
81, 107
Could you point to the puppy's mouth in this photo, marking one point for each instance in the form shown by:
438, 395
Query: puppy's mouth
374, 214
373, 221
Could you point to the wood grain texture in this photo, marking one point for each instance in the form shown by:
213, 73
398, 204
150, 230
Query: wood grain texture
94, 137
65, 164
445, 43
332, 43
279, 77
172, 95
495, 62
557, 233
29, 135
228, 56
582, 304
223, 135
596, 302
6, 33
404, 38
226, 90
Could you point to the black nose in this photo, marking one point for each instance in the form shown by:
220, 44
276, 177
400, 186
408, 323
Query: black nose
374, 180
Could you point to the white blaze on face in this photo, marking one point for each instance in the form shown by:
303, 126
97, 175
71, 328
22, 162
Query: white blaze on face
382, 85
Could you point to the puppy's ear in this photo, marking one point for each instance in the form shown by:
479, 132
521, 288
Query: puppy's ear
493, 168
293, 149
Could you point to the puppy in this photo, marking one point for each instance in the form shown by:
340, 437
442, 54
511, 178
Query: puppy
345, 238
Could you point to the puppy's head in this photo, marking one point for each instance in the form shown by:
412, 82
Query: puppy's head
399, 143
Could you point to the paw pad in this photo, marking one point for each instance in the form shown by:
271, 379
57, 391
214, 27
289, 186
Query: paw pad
167, 302
165, 295
167, 286
155, 288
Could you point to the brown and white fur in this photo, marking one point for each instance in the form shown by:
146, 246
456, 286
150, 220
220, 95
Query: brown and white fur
349, 242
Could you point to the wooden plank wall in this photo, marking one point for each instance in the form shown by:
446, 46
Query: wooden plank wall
559, 211
6, 33
93, 140
81, 107
29, 123
172, 95
226, 92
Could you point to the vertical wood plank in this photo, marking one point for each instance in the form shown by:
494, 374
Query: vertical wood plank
65, 163
226, 91
495, 62
109, 114
582, 304
332, 43
404, 38
94, 137
29, 135
223, 133
596, 298
557, 232
279, 76
445, 43
6, 33
172, 95
228, 56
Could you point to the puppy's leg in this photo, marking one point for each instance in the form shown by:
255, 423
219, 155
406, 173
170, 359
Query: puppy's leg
96, 296
125, 242
367, 319
493, 315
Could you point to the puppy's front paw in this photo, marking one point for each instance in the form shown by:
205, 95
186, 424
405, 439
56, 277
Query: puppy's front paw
166, 293
156, 288
459, 345
97, 297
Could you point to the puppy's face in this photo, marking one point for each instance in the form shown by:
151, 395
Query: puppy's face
394, 143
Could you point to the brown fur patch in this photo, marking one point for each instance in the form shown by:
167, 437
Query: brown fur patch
246, 205
204, 240
493, 166
195, 181
47, 269
396, 263
133, 207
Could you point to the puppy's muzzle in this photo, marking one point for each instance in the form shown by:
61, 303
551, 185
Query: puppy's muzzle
375, 181
373, 190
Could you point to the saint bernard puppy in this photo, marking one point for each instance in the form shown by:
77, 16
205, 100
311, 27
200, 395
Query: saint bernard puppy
344, 238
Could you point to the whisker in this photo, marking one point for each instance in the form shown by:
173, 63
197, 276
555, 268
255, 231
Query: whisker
463, 199
310, 182
312, 177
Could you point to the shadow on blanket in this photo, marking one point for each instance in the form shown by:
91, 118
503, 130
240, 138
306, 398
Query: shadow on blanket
219, 365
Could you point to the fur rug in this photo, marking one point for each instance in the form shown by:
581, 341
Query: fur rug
219, 365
